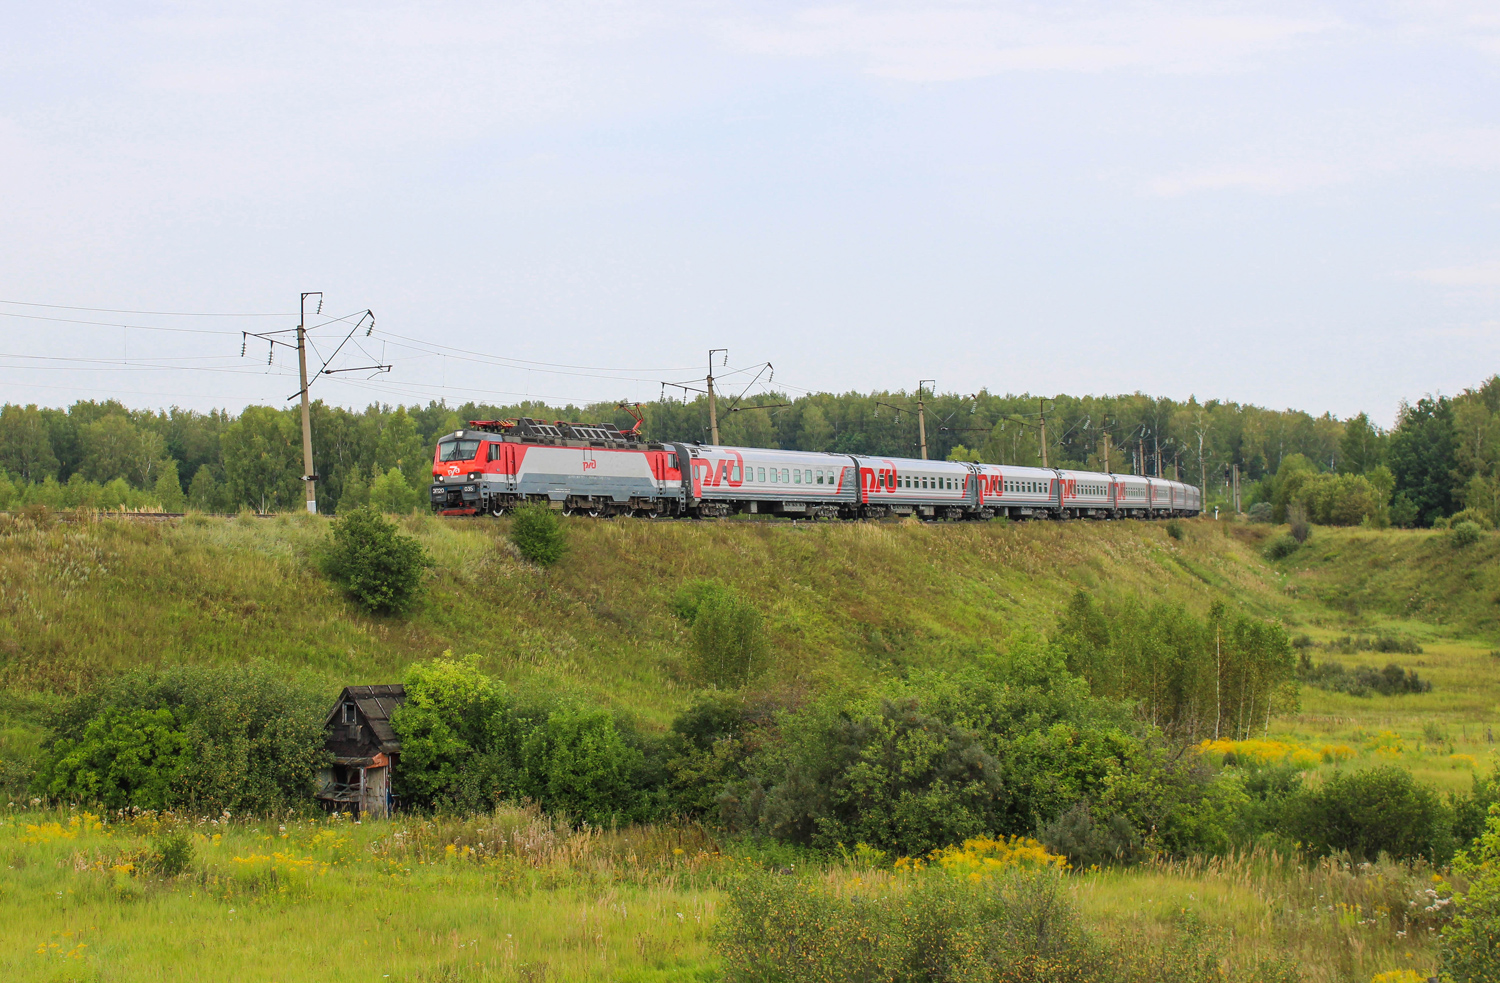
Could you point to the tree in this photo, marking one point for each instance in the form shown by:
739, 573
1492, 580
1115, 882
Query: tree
168, 488
1470, 946
380, 569
203, 492
389, 492
263, 458
1422, 457
114, 447
1362, 447
399, 446
25, 446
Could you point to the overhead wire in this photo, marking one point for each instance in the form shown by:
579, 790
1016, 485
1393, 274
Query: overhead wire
112, 310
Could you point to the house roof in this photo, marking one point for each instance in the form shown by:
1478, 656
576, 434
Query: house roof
376, 704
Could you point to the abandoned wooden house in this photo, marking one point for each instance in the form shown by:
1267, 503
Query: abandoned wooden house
364, 748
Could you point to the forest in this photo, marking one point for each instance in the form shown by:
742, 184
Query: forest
1441, 457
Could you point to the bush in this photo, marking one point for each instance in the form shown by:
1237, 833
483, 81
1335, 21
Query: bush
537, 531
1476, 516
727, 637
1296, 518
172, 854
204, 739
1280, 548
1018, 928
380, 569
467, 743
1469, 947
1464, 534
577, 762
1367, 813
1260, 512
1090, 842
1174, 529
1404, 511
1362, 680
123, 759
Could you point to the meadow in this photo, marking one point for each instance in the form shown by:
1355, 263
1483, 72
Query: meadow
521, 896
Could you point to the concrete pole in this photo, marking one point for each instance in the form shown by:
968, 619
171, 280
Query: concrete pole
309, 477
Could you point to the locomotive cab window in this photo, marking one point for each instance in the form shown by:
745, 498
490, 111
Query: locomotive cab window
457, 450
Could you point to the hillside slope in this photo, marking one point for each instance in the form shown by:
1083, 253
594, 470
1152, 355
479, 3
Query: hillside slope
1401, 575
842, 602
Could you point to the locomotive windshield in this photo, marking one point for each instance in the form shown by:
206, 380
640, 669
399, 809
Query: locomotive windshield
454, 449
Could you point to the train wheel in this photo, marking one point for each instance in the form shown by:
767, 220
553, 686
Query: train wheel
498, 510
594, 513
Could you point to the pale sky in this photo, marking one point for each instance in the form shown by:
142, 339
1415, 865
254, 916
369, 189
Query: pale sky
1285, 204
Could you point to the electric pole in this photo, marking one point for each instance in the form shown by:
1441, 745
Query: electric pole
922, 417
1041, 406
1106, 452
309, 477
1140, 454
713, 409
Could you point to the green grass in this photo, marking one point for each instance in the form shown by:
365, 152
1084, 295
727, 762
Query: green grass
843, 605
515, 896
842, 602
512, 896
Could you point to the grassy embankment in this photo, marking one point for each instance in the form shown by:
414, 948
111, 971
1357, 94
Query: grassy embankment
843, 603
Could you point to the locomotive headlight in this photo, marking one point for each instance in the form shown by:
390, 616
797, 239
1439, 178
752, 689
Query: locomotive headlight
473, 475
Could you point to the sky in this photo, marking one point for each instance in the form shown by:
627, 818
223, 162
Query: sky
1293, 205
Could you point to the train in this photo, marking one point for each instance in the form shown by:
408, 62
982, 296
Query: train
493, 466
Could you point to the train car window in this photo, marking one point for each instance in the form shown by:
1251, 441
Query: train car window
784, 478
734, 473
797, 476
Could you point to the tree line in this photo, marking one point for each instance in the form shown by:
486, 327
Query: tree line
1442, 455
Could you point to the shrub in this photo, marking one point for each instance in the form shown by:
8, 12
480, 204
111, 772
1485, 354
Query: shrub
577, 762
1476, 516
172, 854
1280, 548
538, 533
1018, 928
123, 759
1367, 813
1362, 680
1464, 534
1090, 842
208, 739
1174, 529
1469, 947
1404, 511
380, 569
1296, 518
727, 637
1260, 512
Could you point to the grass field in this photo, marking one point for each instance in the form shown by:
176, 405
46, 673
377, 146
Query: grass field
519, 898
514, 896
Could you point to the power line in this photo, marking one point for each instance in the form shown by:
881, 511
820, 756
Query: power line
529, 362
116, 324
111, 310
